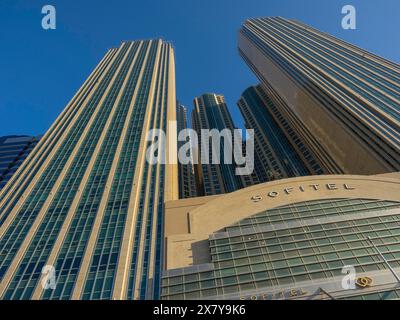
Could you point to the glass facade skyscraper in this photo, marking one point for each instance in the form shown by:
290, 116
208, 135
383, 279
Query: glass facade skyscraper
211, 112
87, 202
342, 101
13, 151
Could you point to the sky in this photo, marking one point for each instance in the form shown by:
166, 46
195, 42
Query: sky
41, 70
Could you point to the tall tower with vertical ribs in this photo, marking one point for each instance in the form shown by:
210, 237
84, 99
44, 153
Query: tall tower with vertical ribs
211, 113
86, 207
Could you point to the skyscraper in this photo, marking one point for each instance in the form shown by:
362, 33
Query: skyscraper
187, 181
276, 157
342, 101
87, 202
13, 151
211, 112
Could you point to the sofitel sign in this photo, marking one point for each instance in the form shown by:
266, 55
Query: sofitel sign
304, 188
282, 295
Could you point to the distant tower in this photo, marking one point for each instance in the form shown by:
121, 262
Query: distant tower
187, 183
211, 112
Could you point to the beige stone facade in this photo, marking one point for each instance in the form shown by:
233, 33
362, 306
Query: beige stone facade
190, 222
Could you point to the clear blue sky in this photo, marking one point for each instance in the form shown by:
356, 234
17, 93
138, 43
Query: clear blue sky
41, 70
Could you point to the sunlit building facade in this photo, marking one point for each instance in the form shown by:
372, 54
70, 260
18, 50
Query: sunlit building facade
86, 202
342, 101
13, 151
290, 239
